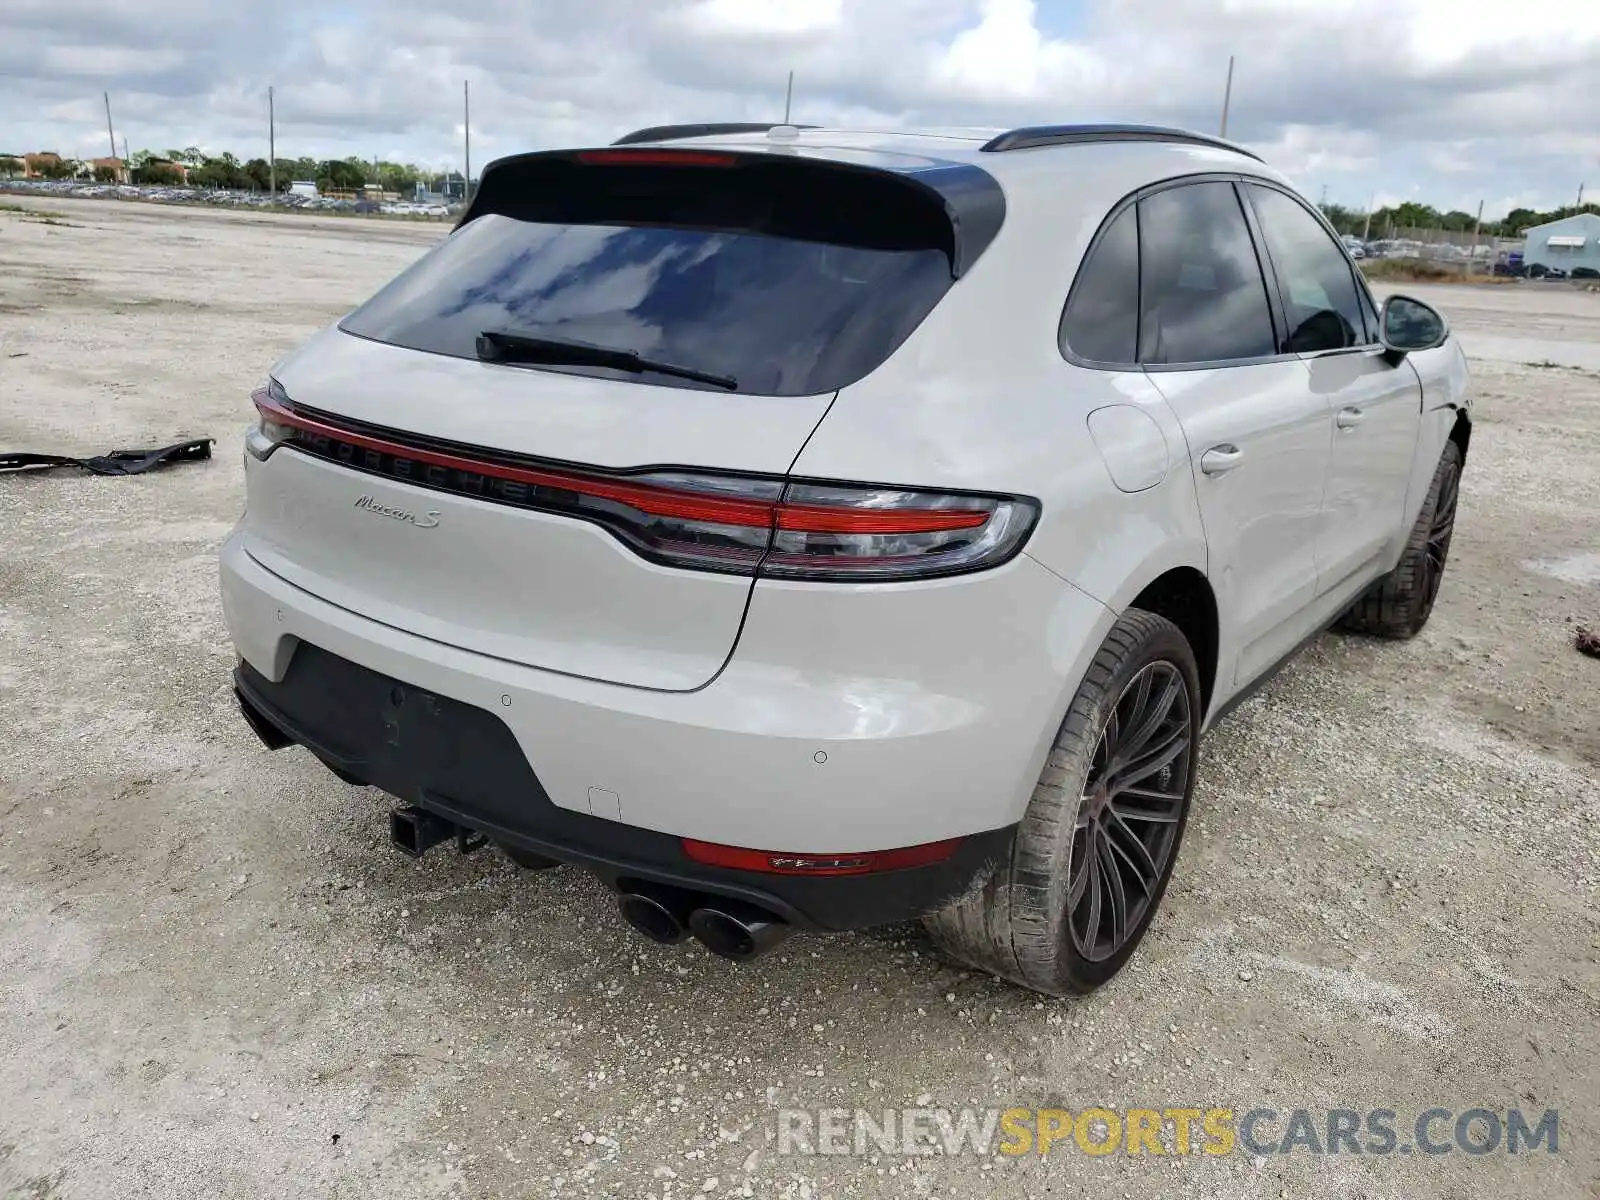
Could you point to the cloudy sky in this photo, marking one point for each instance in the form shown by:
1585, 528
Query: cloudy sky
1444, 101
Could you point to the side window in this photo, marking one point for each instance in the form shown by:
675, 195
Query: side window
1314, 276
1101, 323
1202, 295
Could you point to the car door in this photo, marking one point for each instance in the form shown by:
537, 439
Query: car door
1374, 402
1258, 437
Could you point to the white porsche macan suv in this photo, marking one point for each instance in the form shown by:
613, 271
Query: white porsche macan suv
804, 528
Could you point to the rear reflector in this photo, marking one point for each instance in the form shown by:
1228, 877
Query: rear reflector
730, 524
772, 862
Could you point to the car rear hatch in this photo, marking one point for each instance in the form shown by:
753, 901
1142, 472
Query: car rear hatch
558, 437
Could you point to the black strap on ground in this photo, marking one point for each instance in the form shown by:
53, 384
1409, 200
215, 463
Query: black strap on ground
118, 462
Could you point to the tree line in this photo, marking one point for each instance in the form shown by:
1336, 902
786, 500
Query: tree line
351, 174
192, 165
1412, 215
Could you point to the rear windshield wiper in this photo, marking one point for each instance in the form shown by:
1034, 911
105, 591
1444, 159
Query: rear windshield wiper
495, 346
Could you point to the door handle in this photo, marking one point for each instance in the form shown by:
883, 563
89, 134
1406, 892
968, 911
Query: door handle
1219, 460
1348, 418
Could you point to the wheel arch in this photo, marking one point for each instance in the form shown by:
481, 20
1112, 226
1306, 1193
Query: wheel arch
1183, 595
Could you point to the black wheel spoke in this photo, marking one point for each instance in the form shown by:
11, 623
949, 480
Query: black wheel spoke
1150, 717
1091, 870
1116, 895
1132, 850
1161, 752
1147, 804
1082, 867
1108, 743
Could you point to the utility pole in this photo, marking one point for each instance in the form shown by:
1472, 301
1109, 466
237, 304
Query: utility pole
788, 98
113, 136
272, 148
466, 129
1580, 195
1366, 227
1227, 96
1477, 228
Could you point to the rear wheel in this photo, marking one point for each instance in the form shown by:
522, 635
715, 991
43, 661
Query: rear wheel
1096, 847
1399, 604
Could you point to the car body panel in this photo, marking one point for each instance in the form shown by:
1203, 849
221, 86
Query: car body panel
528, 587
1376, 408
835, 727
1261, 516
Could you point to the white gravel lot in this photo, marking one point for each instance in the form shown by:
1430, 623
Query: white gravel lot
217, 980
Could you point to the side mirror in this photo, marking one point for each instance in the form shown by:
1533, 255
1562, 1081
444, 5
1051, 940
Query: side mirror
1408, 325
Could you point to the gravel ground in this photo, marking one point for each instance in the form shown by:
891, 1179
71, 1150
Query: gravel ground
216, 979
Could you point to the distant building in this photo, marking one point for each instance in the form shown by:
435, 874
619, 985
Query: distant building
1567, 243
117, 168
167, 170
37, 166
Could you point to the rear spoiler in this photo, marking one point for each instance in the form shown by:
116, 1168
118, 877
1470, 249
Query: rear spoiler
771, 190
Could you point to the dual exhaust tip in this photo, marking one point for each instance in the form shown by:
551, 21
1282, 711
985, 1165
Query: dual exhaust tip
730, 929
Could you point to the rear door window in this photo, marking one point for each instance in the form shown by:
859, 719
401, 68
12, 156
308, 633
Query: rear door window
1315, 276
1203, 298
796, 286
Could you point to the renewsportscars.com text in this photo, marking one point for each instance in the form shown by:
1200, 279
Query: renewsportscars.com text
1211, 1131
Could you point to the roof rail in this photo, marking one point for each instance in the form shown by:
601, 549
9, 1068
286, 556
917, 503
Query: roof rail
670, 133
1032, 136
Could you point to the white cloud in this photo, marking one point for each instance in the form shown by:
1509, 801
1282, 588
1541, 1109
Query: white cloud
765, 17
1006, 58
1421, 98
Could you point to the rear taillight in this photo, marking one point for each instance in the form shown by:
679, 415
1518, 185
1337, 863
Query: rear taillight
773, 862
730, 524
269, 432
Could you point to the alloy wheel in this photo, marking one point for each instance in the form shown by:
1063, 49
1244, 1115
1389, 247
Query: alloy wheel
1128, 818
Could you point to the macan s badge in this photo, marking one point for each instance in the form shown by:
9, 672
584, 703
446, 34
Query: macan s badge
425, 520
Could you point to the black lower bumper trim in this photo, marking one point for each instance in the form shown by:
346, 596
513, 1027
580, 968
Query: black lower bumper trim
464, 764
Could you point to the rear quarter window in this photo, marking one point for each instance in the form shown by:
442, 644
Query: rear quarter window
1101, 322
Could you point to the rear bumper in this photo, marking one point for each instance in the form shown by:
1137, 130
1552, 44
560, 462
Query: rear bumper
463, 764
849, 719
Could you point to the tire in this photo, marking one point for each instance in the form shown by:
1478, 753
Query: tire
1399, 604
1025, 924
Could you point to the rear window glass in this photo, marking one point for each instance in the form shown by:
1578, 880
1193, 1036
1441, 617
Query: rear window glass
783, 313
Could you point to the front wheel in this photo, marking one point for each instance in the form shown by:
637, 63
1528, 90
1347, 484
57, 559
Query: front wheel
1096, 846
1399, 604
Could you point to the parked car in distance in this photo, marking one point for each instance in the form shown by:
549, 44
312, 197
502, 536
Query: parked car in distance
816, 529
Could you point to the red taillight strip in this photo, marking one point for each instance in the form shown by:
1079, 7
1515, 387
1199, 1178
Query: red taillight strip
649, 498
807, 518
655, 158
774, 862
